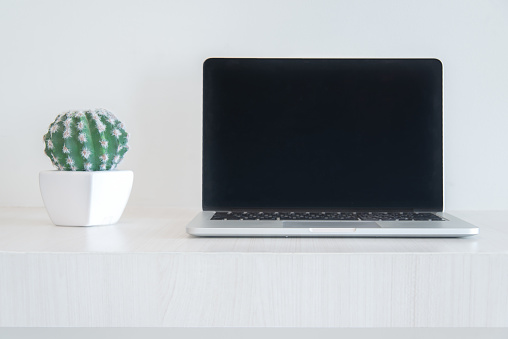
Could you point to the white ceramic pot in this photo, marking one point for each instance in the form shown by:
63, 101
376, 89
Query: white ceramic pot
85, 198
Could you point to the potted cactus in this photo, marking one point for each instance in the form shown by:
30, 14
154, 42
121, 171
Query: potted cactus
85, 190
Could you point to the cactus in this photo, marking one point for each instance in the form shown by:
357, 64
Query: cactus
91, 140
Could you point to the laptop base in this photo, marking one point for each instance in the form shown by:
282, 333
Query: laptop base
452, 227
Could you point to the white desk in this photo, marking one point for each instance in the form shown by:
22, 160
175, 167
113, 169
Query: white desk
146, 271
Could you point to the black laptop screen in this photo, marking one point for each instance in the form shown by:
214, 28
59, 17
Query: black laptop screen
322, 134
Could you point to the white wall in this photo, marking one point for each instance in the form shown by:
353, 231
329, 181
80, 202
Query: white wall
142, 60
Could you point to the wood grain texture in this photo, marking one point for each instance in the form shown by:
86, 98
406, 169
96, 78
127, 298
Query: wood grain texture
146, 272
155, 230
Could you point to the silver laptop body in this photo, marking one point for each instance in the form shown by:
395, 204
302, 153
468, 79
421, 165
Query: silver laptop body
323, 148
202, 225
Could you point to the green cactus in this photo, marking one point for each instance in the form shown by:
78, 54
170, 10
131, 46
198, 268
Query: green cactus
92, 140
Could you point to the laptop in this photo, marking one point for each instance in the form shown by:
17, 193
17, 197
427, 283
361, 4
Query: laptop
323, 148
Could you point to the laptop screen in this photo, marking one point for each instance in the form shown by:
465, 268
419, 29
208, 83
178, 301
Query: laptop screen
322, 134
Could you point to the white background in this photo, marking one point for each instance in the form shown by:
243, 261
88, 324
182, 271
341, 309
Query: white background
143, 61
253, 333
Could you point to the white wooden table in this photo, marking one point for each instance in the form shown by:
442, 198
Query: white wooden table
147, 271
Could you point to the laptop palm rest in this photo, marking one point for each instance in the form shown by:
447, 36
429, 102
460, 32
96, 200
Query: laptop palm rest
328, 224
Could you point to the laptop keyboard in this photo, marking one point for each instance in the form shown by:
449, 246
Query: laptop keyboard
362, 216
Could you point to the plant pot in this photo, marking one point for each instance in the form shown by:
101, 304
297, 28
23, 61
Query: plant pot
85, 198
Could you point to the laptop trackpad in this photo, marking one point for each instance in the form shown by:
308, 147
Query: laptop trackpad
328, 224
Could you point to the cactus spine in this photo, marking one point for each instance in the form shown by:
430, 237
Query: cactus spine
92, 140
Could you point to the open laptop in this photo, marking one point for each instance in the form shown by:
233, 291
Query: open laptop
323, 147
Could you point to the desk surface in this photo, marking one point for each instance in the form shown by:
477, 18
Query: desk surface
147, 271
162, 230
